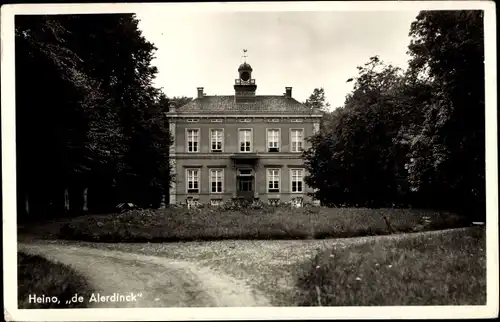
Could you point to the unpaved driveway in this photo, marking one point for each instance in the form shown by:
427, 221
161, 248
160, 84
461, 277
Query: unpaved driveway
158, 281
219, 273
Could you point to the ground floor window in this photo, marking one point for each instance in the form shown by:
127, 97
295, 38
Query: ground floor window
297, 180
216, 180
273, 180
193, 181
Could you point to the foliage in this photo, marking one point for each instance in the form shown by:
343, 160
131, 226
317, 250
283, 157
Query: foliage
317, 99
36, 275
447, 150
410, 138
442, 268
97, 121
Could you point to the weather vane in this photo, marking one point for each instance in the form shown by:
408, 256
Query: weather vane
245, 55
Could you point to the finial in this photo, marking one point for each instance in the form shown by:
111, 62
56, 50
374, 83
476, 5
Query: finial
244, 55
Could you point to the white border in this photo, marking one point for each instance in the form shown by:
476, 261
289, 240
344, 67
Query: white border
9, 165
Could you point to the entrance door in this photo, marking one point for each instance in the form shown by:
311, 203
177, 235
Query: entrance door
245, 184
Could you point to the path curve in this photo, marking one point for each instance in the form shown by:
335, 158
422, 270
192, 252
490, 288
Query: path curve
162, 282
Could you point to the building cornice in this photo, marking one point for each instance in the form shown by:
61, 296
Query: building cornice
218, 156
243, 116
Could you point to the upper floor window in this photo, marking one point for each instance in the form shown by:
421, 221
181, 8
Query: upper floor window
297, 140
193, 140
216, 120
297, 180
273, 180
296, 120
192, 120
273, 140
245, 138
216, 180
193, 180
216, 140
245, 120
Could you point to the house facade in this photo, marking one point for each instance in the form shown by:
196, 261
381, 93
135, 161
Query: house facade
240, 146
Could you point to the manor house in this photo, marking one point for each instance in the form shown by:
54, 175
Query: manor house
240, 146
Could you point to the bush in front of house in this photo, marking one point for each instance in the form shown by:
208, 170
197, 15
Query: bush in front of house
213, 223
38, 276
448, 268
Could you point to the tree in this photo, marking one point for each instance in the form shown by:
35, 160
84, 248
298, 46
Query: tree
97, 118
317, 100
447, 150
355, 160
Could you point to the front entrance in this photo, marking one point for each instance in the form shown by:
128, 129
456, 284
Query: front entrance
245, 184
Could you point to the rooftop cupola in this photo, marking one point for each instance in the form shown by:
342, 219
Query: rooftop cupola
244, 85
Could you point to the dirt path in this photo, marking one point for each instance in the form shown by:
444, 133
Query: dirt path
156, 281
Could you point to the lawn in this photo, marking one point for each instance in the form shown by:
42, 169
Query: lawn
40, 277
448, 268
174, 224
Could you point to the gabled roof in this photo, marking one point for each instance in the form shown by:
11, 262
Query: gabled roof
259, 104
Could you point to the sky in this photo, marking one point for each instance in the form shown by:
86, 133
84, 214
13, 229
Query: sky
302, 50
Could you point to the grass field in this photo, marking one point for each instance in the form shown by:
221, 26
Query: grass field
211, 224
38, 276
448, 268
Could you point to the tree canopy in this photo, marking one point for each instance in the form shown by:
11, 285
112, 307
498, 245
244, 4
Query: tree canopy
414, 137
87, 114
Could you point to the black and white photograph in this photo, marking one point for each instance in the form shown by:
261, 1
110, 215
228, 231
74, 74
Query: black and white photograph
271, 160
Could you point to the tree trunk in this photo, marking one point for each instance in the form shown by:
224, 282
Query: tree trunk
66, 200
162, 204
27, 204
85, 205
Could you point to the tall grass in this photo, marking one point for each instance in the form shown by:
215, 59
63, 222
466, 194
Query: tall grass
212, 224
40, 277
448, 268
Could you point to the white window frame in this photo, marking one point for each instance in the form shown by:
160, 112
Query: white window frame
268, 177
197, 137
216, 120
240, 141
268, 141
245, 120
296, 120
273, 120
192, 120
301, 180
212, 180
211, 140
196, 176
292, 130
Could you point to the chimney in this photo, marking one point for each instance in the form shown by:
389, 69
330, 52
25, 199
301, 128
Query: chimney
288, 92
200, 92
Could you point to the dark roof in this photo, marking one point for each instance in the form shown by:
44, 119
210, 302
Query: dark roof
260, 104
245, 66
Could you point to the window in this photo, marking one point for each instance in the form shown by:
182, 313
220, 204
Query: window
193, 181
193, 139
296, 121
246, 140
192, 120
216, 140
297, 180
245, 120
273, 180
297, 139
216, 120
216, 180
273, 140
273, 120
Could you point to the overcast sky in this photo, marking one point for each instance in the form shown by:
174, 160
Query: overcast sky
303, 50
